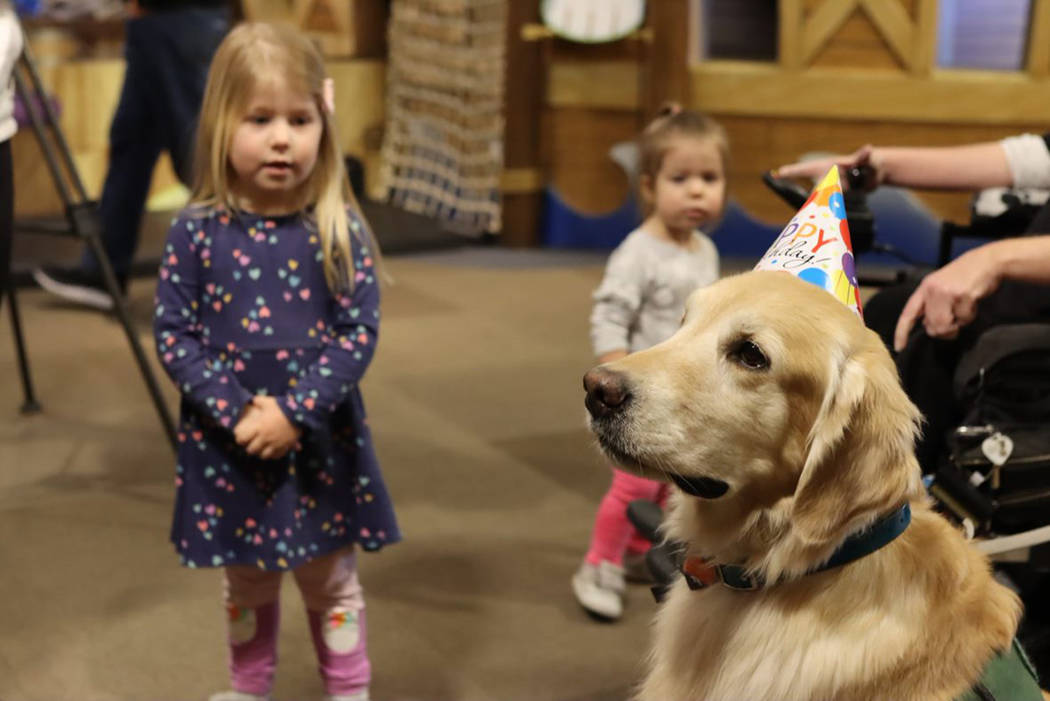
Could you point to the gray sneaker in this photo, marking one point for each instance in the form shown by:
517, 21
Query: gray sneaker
599, 589
75, 285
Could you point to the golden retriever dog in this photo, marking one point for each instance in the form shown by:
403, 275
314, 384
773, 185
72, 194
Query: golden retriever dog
782, 419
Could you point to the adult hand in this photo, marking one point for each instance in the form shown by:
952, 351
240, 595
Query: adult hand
817, 167
946, 300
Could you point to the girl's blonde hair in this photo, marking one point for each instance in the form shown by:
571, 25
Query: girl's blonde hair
251, 54
673, 122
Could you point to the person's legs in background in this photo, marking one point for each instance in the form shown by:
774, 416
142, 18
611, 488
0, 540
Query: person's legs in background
167, 57
171, 52
599, 582
335, 608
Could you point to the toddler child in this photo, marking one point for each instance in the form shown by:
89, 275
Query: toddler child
639, 303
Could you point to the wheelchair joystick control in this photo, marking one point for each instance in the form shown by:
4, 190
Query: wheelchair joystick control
859, 217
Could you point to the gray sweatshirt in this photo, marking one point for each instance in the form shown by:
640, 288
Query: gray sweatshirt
640, 301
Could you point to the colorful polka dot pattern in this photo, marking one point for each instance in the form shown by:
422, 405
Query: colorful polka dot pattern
815, 245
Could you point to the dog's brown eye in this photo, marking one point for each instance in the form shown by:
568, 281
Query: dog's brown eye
748, 354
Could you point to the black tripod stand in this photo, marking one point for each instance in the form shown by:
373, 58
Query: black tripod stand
82, 221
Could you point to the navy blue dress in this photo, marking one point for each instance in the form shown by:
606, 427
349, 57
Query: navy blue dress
243, 308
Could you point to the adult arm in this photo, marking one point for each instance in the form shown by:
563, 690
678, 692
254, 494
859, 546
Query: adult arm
946, 300
966, 167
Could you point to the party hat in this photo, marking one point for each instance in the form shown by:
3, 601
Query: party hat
815, 245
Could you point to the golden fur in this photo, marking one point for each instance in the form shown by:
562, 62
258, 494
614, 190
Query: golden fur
814, 447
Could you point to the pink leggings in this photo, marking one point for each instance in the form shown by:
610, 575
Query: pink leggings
613, 534
335, 610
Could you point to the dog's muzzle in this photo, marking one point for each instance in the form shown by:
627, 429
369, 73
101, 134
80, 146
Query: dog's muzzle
607, 392
608, 396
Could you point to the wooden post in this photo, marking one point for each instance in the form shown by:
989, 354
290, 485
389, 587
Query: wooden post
526, 79
665, 70
790, 34
1038, 59
926, 39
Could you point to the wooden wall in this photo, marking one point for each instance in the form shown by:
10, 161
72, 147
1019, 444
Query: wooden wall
82, 68
83, 74
849, 72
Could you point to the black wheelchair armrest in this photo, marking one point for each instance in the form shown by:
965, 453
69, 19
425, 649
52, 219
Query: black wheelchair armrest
664, 558
646, 517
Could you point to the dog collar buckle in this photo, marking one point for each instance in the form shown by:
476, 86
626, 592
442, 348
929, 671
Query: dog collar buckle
699, 574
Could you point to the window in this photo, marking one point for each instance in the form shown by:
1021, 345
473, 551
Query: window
738, 29
988, 34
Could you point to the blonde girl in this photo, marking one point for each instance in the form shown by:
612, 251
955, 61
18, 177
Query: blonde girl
267, 313
639, 303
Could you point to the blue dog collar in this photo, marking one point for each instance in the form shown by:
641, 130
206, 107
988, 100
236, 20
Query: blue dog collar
699, 574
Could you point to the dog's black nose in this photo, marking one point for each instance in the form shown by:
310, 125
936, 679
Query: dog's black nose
606, 392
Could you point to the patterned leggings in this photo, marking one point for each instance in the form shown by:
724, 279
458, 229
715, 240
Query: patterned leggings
335, 609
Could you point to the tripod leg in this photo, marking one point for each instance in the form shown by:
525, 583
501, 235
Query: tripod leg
83, 219
30, 405
121, 310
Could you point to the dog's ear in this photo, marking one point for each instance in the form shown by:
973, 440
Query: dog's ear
860, 461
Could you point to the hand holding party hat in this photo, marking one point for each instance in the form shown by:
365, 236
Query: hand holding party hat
815, 245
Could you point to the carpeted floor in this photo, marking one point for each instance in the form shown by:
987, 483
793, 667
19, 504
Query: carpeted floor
477, 409
476, 404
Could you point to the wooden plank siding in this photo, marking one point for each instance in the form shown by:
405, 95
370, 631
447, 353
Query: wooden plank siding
849, 72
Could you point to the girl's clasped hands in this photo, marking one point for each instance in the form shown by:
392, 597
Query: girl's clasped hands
263, 429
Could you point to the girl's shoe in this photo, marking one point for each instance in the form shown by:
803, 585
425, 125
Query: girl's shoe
238, 696
599, 589
359, 696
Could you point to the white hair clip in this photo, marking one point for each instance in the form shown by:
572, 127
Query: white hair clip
328, 95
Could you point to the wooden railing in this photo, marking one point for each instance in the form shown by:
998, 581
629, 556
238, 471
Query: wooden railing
798, 85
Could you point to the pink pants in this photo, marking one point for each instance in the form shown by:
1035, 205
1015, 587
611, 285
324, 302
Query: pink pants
613, 534
335, 609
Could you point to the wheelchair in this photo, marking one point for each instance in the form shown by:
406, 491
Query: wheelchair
992, 478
